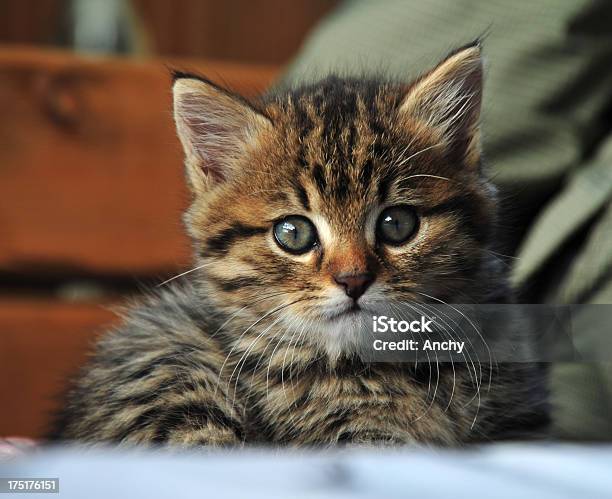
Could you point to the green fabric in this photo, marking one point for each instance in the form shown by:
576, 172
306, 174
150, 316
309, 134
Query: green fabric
592, 264
587, 191
582, 395
546, 140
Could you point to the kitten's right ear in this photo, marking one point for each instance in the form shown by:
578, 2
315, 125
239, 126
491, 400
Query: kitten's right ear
215, 129
448, 98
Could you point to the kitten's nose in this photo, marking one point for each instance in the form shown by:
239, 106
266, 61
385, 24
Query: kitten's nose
354, 285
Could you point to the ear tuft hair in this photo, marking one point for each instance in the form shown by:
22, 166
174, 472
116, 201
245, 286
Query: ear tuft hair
177, 74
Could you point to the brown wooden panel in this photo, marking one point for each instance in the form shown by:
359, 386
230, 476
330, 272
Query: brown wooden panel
270, 31
90, 169
31, 21
42, 344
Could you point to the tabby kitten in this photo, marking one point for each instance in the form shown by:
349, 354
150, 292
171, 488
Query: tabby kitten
309, 207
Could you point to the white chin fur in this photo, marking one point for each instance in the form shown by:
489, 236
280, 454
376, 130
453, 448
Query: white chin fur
336, 330
342, 334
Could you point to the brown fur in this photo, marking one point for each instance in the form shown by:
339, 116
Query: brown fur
242, 351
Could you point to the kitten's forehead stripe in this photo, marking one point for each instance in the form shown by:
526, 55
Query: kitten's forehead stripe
339, 126
319, 178
302, 195
383, 188
365, 175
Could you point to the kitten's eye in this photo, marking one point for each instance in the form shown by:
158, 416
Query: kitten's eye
397, 224
295, 234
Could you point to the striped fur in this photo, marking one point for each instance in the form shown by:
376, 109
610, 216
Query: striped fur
249, 346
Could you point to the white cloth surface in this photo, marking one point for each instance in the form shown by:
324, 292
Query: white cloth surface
496, 471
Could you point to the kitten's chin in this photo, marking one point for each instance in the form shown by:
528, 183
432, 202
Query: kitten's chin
350, 311
344, 331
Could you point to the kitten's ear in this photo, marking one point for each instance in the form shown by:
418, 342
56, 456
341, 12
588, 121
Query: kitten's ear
215, 128
448, 99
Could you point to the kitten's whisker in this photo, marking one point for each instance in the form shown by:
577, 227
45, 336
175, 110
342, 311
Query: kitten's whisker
426, 175
293, 337
257, 365
466, 318
403, 151
451, 361
483, 340
414, 155
184, 273
260, 358
261, 191
270, 363
262, 354
475, 378
235, 314
450, 330
227, 357
433, 399
502, 254
243, 358
245, 355
400, 314
292, 364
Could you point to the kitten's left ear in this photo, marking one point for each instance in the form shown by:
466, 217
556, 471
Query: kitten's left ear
448, 99
216, 129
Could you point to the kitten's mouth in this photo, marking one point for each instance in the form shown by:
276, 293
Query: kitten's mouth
347, 311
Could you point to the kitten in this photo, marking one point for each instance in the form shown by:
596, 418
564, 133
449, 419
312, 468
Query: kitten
309, 207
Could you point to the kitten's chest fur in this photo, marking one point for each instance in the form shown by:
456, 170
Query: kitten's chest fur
288, 392
316, 403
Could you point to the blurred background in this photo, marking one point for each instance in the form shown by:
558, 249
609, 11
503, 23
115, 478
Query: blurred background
259, 32
91, 185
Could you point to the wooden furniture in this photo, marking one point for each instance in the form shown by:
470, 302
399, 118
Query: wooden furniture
238, 30
269, 31
91, 189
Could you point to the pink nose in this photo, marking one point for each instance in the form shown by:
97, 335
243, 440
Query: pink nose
354, 285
